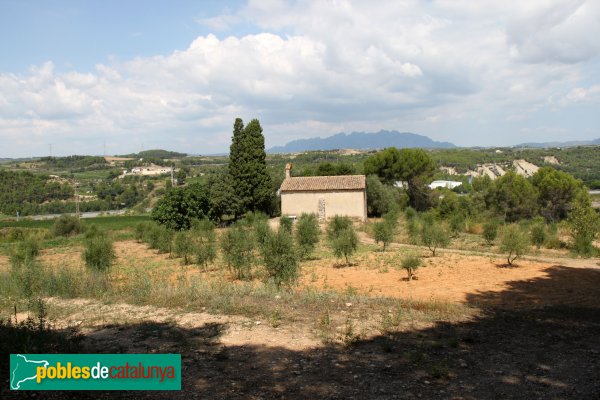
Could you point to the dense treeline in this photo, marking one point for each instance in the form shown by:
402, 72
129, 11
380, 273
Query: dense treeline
23, 191
156, 153
74, 163
245, 186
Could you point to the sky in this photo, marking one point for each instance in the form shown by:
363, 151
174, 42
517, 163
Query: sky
78, 77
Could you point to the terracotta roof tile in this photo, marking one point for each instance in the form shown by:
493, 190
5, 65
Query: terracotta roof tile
320, 183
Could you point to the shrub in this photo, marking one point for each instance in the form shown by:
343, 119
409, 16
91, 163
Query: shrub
285, 224
251, 218
336, 225
25, 270
514, 241
183, 246
490, 232
153, 235
238, 247
16, 234
164, 241
345, 244
538, 233
141, 230
413, 228
410, 263
307, 234
434, 235
553, 239
280, 259
67, 225
457, 224
92, 231
391, 217
411, 213
23, 252
98, 252
204, 242
261, 231
383, 232
584, 224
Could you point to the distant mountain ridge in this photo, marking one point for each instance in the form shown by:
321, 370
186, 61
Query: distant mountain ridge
361, 141
570, 143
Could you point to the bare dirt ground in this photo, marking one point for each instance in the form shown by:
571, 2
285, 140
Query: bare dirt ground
536, 336
452, 278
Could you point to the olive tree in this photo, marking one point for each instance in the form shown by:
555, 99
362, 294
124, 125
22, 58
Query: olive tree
514, 241
307, 234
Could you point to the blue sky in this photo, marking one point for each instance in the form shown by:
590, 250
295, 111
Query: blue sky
175, 75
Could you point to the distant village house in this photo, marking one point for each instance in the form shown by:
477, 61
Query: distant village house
149, 170
325, 196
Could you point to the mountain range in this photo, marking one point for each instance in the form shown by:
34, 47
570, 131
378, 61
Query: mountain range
570, 143
361, 141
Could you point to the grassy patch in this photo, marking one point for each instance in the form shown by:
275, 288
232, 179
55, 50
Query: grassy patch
109, 222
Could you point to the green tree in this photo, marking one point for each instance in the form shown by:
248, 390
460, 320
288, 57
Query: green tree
383, 232
380, 198
385, 165
180, 177
238, 250
248, 167
410, 263
557, 191
336, 225
345, 244
414, 166
434, 235
307, 234
280, 259
514, 241
584, 224
181, 205
490, 232
514, 197
183, 246
203, 232
223, 199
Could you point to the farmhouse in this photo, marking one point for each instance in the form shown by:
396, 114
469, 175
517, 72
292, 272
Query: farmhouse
325, 196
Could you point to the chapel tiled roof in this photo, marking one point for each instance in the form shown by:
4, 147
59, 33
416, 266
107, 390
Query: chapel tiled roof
323, 183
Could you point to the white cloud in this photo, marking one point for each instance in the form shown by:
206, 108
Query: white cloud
323, 67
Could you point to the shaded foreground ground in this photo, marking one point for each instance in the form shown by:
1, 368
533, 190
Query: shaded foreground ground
546, 352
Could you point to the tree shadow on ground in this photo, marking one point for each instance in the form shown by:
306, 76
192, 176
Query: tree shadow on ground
539, 338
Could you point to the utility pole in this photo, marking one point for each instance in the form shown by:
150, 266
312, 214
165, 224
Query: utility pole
50, 145
172, 179
77, 202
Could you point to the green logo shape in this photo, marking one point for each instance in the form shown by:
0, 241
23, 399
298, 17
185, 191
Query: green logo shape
95, 372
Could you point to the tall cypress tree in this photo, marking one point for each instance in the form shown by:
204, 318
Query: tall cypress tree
236, 158
248, 166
